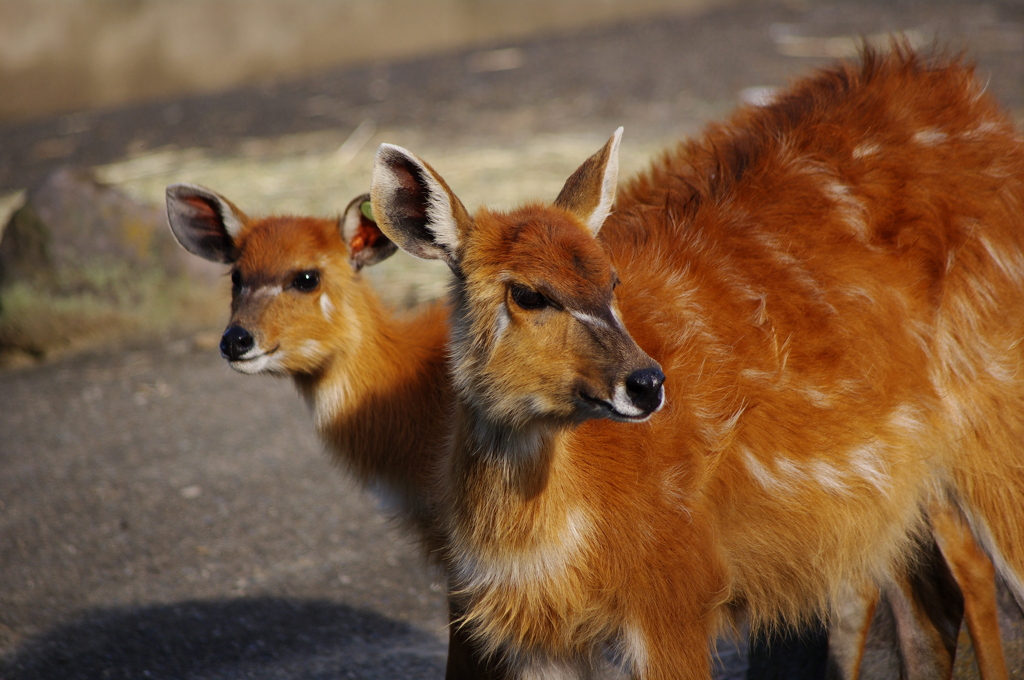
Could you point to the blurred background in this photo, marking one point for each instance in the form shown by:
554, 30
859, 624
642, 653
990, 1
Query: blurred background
161, 516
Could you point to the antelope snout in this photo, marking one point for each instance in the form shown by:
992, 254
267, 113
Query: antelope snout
235, 342
644, 389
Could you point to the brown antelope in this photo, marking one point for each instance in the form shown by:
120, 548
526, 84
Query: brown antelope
376, 383
295, 322
831, 285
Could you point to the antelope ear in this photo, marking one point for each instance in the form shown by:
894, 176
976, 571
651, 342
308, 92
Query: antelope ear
367, 244
590, 191
415, 208
204, 223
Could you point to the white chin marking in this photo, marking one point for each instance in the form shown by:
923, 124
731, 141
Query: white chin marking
258, 364
622, 404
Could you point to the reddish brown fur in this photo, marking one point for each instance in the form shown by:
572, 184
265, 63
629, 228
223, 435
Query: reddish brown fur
832, 284
377, 383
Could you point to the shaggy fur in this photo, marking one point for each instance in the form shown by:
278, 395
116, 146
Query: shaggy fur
832, 284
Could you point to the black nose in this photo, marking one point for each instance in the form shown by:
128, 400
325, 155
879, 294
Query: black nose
644, 388
235, 342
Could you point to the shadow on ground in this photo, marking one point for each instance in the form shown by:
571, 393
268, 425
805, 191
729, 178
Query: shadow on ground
247, 637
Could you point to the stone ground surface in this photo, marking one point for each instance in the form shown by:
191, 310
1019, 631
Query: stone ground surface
163, 517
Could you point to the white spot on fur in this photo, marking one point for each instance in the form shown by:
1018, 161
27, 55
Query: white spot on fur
545, 562
983, 129
789, 476
906, 420
267, 291
673, 486
311, 349
634, 652
817, 397
850, 209
829, 476
866, 149
762, 474
330, 400
930, 137
790, 469
539, 404
759, 376
1009, 261
326, 306
866, 461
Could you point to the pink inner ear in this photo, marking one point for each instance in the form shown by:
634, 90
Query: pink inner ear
201, 206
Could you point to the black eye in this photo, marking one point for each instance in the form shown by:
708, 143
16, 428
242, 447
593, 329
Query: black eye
527, 298
306, 281
236, 280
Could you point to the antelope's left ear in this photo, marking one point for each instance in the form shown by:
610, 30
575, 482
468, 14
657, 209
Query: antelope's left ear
204, 222
367, 244
415, 208
590, 191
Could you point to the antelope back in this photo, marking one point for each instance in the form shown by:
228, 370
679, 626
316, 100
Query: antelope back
297, 298
536, 329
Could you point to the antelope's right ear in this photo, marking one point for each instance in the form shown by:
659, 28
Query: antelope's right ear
203, 222
367, 244
415, 208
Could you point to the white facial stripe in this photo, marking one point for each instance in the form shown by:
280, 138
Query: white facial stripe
326, 306
617, 318
501, 322
590, 320
266, 291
